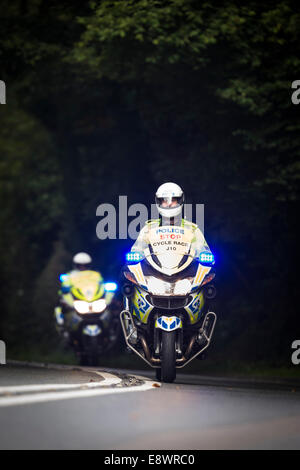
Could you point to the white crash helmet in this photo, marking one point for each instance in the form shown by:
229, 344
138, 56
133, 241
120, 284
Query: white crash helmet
169, 200
82, 261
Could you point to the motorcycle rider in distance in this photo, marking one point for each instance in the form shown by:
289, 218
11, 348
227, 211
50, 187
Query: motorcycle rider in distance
81, 262
87, 317
169, 200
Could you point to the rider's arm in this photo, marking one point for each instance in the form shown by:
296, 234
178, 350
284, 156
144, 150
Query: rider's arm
200, 242
65, 284
65, 296
142, 240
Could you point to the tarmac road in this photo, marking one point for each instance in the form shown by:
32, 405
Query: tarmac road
80, 408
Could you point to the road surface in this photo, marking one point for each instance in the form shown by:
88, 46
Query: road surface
84, 408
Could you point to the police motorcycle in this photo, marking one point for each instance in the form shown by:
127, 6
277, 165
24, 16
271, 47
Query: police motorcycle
88, 314
167, 290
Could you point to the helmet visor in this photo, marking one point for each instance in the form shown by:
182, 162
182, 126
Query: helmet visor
169, 202
82, 267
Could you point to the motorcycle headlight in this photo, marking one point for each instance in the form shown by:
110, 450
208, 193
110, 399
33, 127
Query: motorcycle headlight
81, 306
183, 287
158, 286
90, 307
99, 306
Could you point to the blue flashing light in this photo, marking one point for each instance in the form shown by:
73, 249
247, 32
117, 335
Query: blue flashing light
207, 258
110, 286
63, 277
134, 257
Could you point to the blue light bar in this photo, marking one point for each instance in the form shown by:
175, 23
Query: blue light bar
110, 286
134, 257
63, 277
207, 258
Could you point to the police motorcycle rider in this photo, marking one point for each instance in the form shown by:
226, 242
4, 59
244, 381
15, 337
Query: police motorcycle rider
81, 262
109, 317
169, 200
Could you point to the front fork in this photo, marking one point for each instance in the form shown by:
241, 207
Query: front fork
163, 323
202, 337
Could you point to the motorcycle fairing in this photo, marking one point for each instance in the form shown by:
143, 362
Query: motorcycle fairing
68, 299
169, 250
194, 308
59, 316
91, 330
168, 323
137, 271
142, 307
202, 271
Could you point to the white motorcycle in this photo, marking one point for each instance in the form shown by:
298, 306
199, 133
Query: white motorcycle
167, 289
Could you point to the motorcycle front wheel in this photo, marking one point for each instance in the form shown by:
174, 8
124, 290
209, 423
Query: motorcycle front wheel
168, 356
91, 355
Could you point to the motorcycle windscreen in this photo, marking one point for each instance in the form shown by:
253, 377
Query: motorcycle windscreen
86, 284
170, 244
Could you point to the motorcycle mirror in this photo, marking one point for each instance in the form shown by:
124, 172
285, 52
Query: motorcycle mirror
127, 290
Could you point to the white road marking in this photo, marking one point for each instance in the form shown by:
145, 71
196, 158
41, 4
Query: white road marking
49, 393
109, 379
